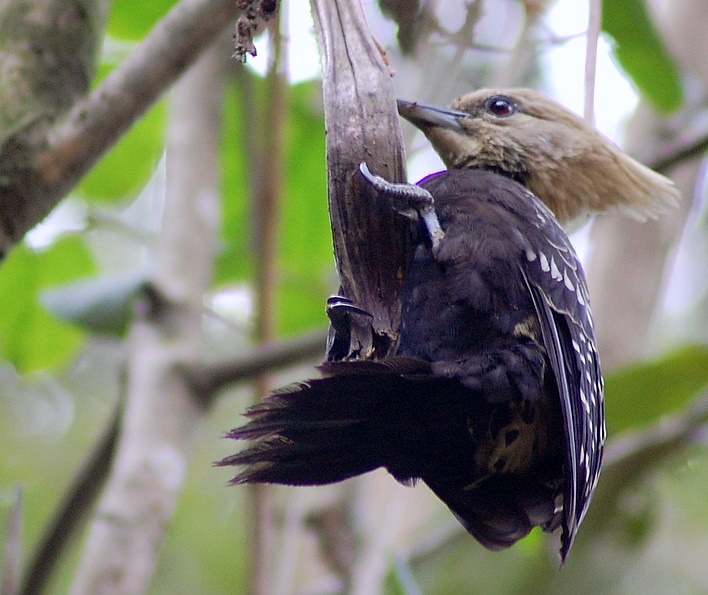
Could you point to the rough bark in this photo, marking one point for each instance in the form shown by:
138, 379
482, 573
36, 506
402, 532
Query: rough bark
47, 54
371, 245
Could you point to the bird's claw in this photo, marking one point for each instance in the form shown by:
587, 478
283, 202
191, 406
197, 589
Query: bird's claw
338, 306
350, 328
409, 200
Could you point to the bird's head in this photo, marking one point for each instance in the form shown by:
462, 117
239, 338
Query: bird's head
558, 156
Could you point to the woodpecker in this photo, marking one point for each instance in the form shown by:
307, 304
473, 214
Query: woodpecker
494, 394
494, 397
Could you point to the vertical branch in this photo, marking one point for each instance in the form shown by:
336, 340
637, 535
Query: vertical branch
593, 33
267, 196
371, 244
161, 409
268, 190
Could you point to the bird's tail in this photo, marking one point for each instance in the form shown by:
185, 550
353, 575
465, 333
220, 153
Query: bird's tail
396, 414
351, 421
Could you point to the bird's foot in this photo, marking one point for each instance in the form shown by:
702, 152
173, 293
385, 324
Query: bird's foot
350, 328
339, 309
409, 200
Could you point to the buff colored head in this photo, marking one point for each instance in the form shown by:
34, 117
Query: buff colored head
563, 160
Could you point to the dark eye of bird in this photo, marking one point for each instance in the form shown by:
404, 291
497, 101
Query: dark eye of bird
502, 106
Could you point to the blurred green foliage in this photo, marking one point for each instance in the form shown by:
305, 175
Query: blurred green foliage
305, 245
126, 168
648, 549
31, 338
642, 393
132, 20
642, 54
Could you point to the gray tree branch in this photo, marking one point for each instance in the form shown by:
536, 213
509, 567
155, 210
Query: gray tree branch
161, 408
209, 377
47, 54
42, 164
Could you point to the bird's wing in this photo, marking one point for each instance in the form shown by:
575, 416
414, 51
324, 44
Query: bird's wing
560, 294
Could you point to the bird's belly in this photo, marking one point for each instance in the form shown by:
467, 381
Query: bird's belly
513, 439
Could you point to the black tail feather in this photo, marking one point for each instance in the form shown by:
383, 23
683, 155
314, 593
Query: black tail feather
394, 414
332, 428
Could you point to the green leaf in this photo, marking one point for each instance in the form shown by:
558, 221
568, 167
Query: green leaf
132, 19
30, 337
125, 169
102, 305
641, 53
233, 262
642, 393
305, 255
305, 262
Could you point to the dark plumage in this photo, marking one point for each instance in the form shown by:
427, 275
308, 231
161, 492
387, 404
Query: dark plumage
494, 398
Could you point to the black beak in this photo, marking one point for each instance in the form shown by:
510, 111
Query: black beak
424, 116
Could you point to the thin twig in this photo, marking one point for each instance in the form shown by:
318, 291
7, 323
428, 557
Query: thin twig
72, 511
208, 378
693, 149
594, 22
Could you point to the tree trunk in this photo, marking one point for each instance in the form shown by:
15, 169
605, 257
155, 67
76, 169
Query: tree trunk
162, 409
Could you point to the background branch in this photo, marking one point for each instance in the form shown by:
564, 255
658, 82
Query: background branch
267, 173
161, 409
591, 37
685, 152
209, 377
54, 161
47, 54
72, 510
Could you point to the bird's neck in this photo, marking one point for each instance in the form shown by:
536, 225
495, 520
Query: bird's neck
518, 176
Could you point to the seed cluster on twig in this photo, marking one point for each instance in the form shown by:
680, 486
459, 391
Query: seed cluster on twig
255, 14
